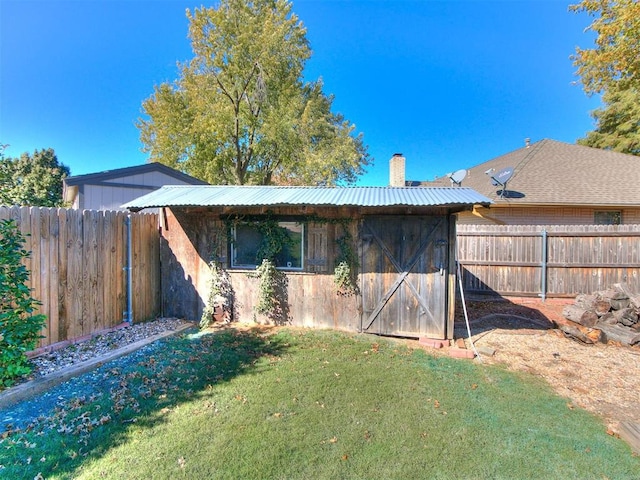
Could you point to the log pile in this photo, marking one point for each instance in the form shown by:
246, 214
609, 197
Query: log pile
611, 315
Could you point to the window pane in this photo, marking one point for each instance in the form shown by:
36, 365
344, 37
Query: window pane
608, 217
247, 242
248, 239
291, 254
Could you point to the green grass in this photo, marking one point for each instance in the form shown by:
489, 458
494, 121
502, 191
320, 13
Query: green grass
315, 404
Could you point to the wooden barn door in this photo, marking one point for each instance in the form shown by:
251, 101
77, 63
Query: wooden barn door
404, 275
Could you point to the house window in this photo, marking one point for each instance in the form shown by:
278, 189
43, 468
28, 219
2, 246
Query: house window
608, 217
249, 239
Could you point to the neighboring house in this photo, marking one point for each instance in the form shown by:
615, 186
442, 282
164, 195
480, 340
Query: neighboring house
108, 190
553, 183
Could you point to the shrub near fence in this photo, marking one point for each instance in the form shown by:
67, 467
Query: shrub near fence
77, 265
548, 261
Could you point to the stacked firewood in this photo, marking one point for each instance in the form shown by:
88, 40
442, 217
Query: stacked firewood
611, 315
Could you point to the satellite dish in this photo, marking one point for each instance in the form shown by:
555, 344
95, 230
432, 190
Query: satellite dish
502, 177
457, 177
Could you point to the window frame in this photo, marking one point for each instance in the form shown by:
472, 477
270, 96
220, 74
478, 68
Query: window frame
282, 222
612, 214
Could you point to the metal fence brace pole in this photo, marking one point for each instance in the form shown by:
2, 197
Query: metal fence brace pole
129, 269
543, 273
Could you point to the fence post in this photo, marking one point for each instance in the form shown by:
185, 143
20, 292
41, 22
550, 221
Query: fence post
543, 273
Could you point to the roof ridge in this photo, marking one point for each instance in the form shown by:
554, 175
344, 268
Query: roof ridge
534, 149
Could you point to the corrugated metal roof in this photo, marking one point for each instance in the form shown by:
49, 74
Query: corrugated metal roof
248, 196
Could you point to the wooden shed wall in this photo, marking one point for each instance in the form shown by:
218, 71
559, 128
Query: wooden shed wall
193, 236
191, 239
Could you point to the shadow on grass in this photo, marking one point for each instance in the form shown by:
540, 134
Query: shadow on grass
136, 390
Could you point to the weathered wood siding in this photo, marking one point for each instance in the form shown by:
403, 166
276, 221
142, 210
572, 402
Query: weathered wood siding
77, 266
510, 260
191, 239
193, 236
405, 271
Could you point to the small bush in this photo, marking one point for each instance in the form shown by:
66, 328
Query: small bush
19, 327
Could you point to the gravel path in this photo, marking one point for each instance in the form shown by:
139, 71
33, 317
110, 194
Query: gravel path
89, 385
51, 362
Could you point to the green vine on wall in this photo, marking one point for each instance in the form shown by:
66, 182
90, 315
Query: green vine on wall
220, 295
219, 304
345, 274
272, 301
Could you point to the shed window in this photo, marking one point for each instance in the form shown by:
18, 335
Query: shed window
249, 240
608, 217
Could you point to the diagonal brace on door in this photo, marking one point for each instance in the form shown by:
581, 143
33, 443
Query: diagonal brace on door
404, 272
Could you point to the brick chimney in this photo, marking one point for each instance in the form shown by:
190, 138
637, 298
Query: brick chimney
396, 170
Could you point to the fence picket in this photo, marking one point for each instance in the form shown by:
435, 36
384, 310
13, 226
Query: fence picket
581, 258
76, 267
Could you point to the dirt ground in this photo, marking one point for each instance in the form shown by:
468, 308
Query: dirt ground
603, 379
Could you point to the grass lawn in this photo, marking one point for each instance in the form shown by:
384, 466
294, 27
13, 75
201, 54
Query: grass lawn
313, 404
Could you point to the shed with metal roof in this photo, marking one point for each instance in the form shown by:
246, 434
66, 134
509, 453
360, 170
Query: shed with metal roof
371, 259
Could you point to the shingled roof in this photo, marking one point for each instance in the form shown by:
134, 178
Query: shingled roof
549, 172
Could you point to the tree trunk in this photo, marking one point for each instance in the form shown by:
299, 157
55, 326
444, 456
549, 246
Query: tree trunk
583, 334
616, 333
587, 318
585, 301
626, 316
633, 298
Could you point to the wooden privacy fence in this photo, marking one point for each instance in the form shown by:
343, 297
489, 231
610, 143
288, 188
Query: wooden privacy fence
548, 261
78, 267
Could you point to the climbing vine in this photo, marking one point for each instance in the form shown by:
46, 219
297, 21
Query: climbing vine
272, 297
272, 292
219, 303
345, 275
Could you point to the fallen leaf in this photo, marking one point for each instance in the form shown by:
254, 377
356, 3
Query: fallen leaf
436, 404
474, 386
182, 462
345, 457
333, 440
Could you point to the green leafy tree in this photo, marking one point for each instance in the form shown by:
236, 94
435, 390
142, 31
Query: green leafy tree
240, 112
618, 123
19, 325
612, 68
614, 62
32, 180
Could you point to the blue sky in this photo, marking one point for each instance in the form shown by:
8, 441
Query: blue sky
449, 84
